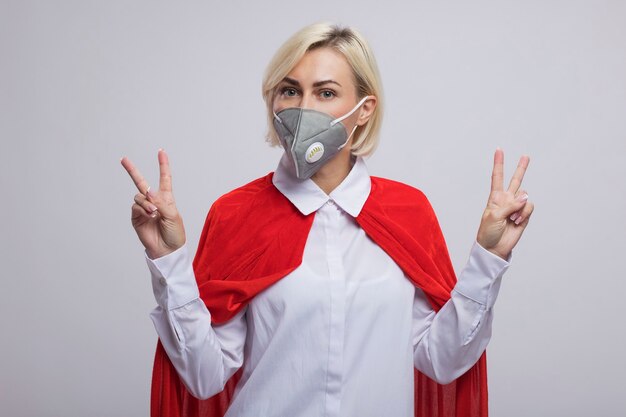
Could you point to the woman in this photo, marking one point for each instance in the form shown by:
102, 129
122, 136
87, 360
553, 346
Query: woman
330, 292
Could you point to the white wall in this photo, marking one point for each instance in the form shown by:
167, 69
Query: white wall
83, 83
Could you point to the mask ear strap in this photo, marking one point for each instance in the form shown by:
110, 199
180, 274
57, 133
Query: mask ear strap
359, 104
351, 133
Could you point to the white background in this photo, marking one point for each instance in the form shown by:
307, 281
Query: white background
83, 83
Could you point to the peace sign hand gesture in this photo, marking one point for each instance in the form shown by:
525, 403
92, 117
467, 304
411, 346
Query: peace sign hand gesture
507, 212
154, 216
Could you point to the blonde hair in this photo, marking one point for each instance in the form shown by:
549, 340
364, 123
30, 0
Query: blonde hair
357, 52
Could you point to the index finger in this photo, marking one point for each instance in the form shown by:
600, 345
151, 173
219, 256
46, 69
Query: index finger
497, 175
518, 175
165, 175
138, 179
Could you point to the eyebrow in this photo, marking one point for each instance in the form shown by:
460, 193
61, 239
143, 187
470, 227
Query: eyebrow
315, 84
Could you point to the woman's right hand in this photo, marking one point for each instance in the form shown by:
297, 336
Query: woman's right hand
154, 216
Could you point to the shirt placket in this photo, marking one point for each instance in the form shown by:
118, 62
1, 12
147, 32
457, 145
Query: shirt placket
337, 311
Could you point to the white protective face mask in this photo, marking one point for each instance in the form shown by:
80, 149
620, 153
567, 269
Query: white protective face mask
310, 138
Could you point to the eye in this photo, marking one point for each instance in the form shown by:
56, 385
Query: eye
288, 92
327, 94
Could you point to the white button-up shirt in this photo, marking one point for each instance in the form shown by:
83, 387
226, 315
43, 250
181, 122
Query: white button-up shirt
340, 335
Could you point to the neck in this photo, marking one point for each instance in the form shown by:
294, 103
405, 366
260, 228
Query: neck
334, 171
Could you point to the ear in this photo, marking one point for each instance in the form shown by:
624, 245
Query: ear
366, 110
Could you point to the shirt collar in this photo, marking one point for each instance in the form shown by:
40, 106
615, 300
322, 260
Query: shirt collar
350, 195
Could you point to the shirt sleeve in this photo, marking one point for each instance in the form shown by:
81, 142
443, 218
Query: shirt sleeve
204, 355
447, 343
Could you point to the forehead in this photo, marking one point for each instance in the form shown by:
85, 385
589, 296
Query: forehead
323, 64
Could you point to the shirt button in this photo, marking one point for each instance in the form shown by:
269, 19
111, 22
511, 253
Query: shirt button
162, 281
330, 202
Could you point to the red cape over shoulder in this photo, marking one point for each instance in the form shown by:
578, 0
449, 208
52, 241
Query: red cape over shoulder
237, 258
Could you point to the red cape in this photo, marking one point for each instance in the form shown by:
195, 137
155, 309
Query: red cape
236, 259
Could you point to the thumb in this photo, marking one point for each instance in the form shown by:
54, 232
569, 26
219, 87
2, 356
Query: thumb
164, 201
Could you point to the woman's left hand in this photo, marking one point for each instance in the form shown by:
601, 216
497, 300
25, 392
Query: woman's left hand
507, 212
